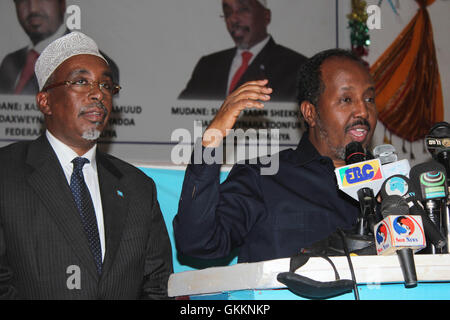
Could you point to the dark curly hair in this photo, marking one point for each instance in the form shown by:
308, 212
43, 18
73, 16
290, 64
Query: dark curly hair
310, 85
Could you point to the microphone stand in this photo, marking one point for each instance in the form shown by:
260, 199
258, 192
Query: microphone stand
444, 226
367, 219
433, 209
361, 240
442, 157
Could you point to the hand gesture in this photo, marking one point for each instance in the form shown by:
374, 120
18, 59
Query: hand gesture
247, 96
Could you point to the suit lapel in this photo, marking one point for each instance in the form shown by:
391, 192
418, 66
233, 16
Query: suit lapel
257, 70
50, 184
223, 72
115, 206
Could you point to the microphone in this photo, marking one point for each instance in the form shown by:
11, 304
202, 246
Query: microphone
388, 158
360, 170
432, 190
354, 152
386, 153
401, 233
363, 170
438, 144
357, 173
400, 185
351, 178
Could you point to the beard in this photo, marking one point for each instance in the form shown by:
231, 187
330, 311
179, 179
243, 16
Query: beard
91, 134
94, 133
237, 33
337, 151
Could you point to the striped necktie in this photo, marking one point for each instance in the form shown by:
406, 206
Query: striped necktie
27, 72
85, 207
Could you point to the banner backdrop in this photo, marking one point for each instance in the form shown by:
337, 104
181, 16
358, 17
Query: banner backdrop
156, 45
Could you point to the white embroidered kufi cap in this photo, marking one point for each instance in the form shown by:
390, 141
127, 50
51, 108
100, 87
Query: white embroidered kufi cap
72, 44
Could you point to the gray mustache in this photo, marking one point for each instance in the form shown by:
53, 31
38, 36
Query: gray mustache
100, 105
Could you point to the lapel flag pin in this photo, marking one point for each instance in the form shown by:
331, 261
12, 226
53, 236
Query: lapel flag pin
120, 193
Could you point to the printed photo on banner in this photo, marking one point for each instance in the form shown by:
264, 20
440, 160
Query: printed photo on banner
176, 61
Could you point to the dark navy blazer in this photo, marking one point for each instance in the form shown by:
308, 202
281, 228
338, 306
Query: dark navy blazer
265, 216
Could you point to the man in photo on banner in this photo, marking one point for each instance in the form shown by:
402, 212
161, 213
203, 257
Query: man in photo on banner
255, 56
43, 22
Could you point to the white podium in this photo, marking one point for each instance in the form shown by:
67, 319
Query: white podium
378, 277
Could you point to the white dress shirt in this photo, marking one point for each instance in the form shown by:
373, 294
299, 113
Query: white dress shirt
237, 60
65, 156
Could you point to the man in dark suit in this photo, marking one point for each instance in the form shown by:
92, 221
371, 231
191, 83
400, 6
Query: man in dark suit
76, 223
255, 57
43, 22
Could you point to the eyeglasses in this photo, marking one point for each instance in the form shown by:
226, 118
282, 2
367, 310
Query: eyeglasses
84, 86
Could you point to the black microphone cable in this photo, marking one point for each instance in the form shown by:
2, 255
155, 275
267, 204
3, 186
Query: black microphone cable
350, 264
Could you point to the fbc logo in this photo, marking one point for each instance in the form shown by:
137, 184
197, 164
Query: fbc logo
360, 173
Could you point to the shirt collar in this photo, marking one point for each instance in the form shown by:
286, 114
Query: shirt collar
65, 154
256, 49
306, 152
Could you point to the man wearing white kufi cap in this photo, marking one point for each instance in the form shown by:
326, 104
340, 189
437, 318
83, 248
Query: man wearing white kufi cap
75, 43
76, 223
255, 56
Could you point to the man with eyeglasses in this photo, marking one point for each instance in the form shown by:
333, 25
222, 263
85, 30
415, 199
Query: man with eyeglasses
43, 22
256, 56
76, 223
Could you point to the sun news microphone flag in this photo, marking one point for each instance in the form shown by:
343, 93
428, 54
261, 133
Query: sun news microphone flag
397, 232
400, 233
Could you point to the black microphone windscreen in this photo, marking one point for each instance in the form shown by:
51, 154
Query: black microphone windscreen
438, 143
394, 205
354, 153
440, 130
396, 185
430, 173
